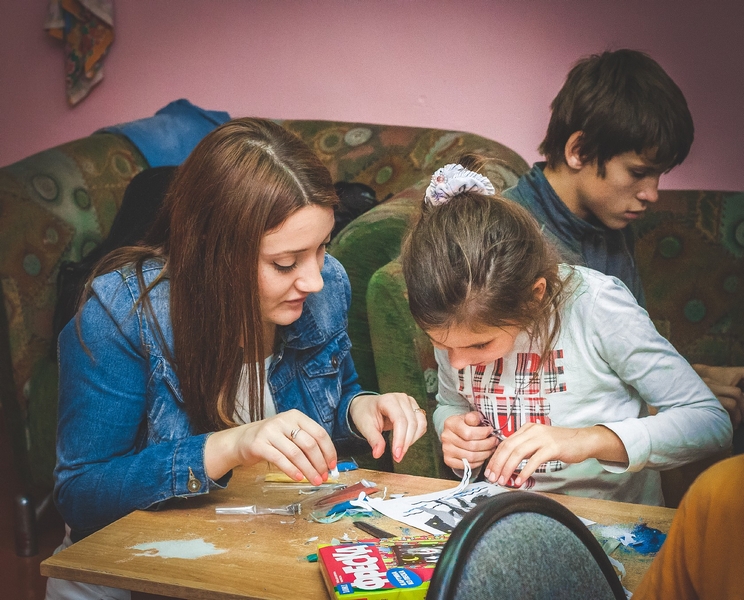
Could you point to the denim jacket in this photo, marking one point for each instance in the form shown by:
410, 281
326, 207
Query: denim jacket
579, 242
124, 440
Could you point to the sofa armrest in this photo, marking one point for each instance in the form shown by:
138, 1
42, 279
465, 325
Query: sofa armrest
56, 205
404, 358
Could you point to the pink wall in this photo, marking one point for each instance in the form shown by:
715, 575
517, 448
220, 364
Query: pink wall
485, 66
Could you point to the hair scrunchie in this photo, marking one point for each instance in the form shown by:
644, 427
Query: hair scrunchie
455, 179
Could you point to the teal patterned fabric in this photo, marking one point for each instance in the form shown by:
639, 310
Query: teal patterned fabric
690, 253
55, 205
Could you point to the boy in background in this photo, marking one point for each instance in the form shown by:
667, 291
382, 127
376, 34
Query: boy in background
618, 123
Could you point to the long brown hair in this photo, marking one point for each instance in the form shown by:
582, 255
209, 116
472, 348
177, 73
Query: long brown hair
474, 261
241, 181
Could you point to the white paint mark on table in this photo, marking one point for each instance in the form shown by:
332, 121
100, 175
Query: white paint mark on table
622, 534
189, 549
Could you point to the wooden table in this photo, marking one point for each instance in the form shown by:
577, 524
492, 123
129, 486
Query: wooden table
264, 556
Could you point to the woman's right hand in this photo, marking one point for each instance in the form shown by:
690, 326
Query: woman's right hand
464, 436
308, 453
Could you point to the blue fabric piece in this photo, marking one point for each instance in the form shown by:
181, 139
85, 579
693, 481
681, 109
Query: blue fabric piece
647, 539
169, 136
347, 465
579, 242
340, 507
338, 515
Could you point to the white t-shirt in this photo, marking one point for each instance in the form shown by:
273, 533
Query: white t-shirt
608, 364
242, 414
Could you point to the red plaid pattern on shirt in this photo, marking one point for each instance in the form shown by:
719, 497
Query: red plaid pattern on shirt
506, 414
527, 374
492, 385
551, 373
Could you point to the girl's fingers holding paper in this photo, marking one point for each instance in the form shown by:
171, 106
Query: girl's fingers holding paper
510, 453
453, 458
477, 447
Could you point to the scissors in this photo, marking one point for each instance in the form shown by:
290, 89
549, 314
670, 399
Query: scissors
494, 432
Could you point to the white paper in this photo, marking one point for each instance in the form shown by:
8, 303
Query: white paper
437, 512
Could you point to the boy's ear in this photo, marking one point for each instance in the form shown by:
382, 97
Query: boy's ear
572, 151
538, 290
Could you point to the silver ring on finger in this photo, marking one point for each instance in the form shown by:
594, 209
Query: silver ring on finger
294, 432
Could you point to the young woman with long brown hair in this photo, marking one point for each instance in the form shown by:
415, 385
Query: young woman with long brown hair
220, 341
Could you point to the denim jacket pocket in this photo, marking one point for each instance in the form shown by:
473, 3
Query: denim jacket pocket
323, 373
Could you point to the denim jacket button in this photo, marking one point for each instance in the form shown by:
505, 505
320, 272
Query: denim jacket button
334, 362
193, 484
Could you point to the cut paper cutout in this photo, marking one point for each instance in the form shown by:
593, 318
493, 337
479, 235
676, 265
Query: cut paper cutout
438, 512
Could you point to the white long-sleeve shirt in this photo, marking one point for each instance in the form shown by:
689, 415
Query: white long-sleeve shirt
608, 365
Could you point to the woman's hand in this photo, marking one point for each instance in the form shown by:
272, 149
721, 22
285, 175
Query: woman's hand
542, 443
291, 440
374, 414
465, 436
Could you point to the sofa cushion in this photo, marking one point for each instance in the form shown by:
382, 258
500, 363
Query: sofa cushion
56, 205
690, 253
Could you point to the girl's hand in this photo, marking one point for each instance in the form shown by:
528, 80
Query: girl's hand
464, 436
291, 440
542, 443
374, 414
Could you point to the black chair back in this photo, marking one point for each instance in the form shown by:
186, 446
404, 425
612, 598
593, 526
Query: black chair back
524, 546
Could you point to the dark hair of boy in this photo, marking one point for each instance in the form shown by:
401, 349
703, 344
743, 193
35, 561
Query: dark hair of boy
620, 101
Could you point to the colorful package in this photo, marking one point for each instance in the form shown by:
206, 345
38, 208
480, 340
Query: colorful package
390, 569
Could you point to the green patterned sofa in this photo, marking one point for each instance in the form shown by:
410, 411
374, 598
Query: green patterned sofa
59, 204
56, 205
